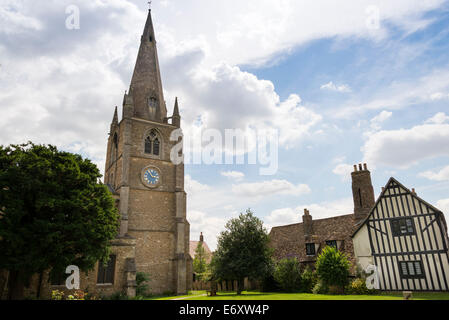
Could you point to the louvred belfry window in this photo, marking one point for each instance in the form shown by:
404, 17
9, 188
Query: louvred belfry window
152, 143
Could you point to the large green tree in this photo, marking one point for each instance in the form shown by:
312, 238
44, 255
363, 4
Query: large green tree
54, 212
242, 250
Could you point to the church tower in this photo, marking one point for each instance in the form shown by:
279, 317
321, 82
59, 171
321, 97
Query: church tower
148, 185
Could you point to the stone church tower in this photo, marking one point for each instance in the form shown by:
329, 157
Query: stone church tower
154, 231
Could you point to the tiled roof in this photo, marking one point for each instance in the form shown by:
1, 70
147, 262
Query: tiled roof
194, 244
289, 240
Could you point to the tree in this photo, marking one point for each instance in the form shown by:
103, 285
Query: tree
54, 212
287, 274
242, 251
332, 267
200, 260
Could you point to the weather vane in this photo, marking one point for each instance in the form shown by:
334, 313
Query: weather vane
149, 4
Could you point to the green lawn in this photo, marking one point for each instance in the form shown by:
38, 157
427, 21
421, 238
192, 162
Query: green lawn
251, 295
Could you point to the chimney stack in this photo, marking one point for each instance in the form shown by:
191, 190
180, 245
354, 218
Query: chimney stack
201, 237
307, 223
362, 192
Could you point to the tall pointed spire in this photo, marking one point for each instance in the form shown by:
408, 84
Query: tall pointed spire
176, 110
115, 118
176, 119
146, 84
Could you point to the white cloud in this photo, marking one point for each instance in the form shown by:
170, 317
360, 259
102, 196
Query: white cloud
439, 118
344, 170
439, 96
270, 188
210, 226
443, 205
322, 210
260, 30
399, 95
59, 91
333, 87
442, 175
236, 175
379, 119
406, 147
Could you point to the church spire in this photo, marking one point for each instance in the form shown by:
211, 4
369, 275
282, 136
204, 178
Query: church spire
146, 84
176, 119
115, 118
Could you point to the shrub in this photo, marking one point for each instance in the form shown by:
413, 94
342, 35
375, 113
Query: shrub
57, 295
308, 280
320, 288
142, 287
287, 274
268, 284
333, 267
116, 296
358, 286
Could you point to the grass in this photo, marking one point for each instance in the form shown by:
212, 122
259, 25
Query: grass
191, 295
254, 295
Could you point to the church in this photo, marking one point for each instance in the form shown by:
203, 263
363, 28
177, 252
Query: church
148, 187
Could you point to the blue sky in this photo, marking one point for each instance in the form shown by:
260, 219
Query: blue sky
339, 91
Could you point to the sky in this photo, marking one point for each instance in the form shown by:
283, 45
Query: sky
341, 83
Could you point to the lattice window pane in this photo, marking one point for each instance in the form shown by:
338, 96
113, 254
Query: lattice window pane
156, 147
310, 249
148, 145
418, 269
404, 268
409, 225
411, 269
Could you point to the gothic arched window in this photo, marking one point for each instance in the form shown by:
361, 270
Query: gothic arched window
152, 143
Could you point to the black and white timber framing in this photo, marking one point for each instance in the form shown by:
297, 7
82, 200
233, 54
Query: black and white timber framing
406, 238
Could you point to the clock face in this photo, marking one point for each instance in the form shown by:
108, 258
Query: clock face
151, 176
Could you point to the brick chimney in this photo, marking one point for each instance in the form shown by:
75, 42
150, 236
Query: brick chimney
362, 192
201, 237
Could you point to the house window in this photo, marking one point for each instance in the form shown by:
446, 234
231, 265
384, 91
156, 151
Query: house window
332, 243
310, 249
411, 269
402, 227
106, 272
